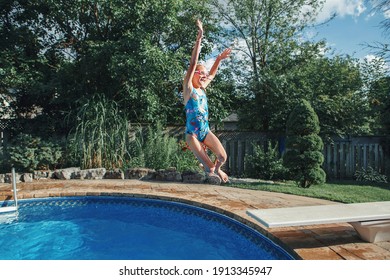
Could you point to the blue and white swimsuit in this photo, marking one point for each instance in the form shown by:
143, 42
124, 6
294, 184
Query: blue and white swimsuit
197, 114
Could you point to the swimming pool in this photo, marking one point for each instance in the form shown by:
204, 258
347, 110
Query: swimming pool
106, 228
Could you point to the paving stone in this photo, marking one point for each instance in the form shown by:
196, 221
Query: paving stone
322, 253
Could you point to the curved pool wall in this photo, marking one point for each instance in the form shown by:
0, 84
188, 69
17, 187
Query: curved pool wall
237, 227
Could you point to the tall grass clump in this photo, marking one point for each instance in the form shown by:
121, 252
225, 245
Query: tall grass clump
101, 135
104, 138
185, 159
154, 148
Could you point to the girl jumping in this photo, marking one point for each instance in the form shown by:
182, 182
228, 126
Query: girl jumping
198, 132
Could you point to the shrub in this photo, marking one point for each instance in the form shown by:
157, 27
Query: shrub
369, 175
264, 163
303, 156
28, 153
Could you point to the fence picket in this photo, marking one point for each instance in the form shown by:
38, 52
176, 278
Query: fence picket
335, 160
342, 158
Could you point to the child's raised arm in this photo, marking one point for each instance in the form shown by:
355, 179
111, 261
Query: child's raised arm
213, 71
187, 83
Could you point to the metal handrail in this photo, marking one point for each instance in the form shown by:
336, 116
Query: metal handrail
14, 187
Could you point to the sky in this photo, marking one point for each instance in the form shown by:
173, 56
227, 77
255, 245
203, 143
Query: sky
355, 25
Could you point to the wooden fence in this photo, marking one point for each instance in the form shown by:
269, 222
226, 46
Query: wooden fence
342, 158
3, 134
345, 156
238, 145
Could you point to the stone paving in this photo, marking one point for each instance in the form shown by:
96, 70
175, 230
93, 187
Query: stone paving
320, 242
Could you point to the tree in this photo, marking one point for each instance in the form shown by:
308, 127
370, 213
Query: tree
385, 115
58, 54
376, 88
385, 121
304, 147
21, 65
382, 49
334, 87
222, 96
268, 43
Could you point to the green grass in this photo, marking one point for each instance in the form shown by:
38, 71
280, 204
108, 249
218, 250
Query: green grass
345, 191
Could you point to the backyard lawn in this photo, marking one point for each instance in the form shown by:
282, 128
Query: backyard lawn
340, 191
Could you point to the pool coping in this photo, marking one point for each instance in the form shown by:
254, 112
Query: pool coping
321, 242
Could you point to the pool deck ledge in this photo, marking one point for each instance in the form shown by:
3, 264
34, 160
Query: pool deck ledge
319, 242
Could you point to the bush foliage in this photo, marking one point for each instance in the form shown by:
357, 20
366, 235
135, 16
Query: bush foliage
304, 157
264, 163
369, 175
29, 153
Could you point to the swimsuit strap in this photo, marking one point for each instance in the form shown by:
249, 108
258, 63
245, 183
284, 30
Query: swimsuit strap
197, 93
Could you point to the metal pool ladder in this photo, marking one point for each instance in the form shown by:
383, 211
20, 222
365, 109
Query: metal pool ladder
7, 209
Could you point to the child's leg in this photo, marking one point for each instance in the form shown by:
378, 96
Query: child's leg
216, 147
204, 159
200, 153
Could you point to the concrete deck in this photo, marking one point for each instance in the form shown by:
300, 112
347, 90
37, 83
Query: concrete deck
317, 242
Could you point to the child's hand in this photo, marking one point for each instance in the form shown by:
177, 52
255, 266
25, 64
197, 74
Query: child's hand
226, 53
200, 27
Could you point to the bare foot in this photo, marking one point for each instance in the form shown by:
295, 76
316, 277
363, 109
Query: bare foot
224, 177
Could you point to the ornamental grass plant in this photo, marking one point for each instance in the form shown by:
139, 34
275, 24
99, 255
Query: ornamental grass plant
101, 135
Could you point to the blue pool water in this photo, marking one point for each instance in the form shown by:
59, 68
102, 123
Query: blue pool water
104, 228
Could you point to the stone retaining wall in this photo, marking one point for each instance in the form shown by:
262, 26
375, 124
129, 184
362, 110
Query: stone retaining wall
170, 174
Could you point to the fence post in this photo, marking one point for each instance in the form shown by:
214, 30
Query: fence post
240, 157
225, 145
349, 160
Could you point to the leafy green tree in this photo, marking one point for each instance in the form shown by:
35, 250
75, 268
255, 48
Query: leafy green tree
385, 121
376, 88
385, 117
21, 65
222, 96
304, 157
382, 49
58, 54
267, 46
334, 88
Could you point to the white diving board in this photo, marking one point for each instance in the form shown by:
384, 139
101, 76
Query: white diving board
370, 219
